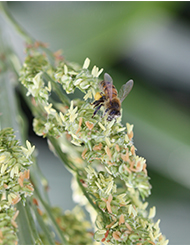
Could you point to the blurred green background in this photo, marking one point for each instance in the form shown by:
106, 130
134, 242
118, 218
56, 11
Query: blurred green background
150, 43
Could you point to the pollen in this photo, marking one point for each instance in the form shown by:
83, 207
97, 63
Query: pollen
40, 211
35, 201
126, 168
138, 166
89, 125
97, 147
117, 148
130, 135
83, 183
133, 150
33, 101
116, 235
83, 153
125, 157
15, 215
80, 123
14, 223
29, 187
109, 207
121, 219
110, 225
151, 242
27, 174
132, 166
16, 200
78, 160
58, 55
97, 96
111, 163
20, 181
114, 225
129, 131
128, 226
108, 203
144, 168
68, 136
13, 219
129, 127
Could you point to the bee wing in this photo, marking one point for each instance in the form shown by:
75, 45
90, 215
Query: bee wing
125, 89
107, 85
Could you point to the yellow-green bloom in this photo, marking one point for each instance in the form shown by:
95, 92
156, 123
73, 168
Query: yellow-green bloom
14, 182
112, 176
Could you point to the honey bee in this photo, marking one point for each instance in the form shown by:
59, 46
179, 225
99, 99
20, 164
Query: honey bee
109, 97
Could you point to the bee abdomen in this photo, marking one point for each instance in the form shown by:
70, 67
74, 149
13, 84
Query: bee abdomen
114, 92
116, 103
107, 87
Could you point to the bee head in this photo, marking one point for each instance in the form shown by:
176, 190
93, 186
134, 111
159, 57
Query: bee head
113, 114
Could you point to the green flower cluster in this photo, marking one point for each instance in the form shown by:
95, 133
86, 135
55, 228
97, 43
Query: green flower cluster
125, 219
32, 69
115, 177
72, 223
72, 76
14, 182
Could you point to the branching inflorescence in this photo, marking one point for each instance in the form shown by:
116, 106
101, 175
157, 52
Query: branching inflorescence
14, 182
100, 154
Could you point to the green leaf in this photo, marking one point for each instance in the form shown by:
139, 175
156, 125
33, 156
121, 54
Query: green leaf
23, 221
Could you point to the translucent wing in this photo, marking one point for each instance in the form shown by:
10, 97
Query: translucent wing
106, 85
125, 89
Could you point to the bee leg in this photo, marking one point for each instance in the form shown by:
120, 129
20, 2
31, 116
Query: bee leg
95, 103
97, 109
98, 102
105, 112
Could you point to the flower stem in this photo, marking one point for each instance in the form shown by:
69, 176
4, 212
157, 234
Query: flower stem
60, 94
61, 155
78, 173
32, 224
25, 235
95, 206
49, 213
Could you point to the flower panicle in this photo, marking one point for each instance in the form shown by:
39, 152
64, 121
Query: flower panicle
14, 185
73, 223
115, 176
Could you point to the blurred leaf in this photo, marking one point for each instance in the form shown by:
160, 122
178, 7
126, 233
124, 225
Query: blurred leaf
161, 130
11, 117
92, 29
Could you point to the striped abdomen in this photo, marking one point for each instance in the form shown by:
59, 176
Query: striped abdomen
109, 89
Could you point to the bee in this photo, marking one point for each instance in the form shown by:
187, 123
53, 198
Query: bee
109, 97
